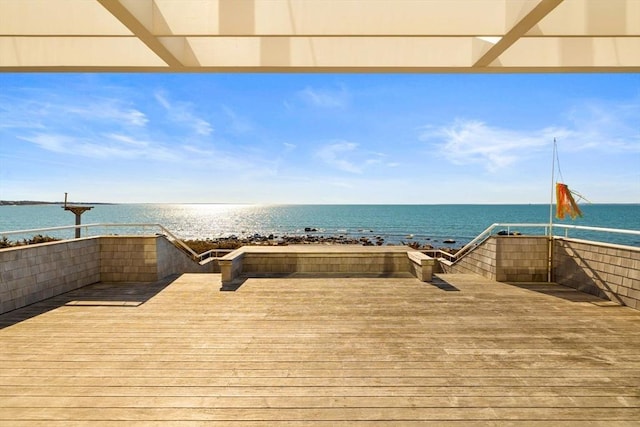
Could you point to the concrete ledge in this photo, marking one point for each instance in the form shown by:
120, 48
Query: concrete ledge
231, 266
262, 261
421, 265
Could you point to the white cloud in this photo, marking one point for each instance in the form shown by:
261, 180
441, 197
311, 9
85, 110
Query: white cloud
107, 110
50, 110
128, 140
336, 155
589, 126
104, 147
55, 143
112, 129
325, 98
137, 118
608, 127
237, 123
348, 157
475, 142
212, 159
181, 113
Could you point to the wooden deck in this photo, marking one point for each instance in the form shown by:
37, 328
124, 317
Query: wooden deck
321, 351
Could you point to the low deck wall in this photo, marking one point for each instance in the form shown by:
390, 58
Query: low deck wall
32, 273
607, 270
507, 259
29, 274
340, 260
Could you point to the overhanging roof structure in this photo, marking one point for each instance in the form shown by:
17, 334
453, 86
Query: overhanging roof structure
320, 35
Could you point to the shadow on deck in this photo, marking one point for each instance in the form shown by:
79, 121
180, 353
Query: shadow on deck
121, 294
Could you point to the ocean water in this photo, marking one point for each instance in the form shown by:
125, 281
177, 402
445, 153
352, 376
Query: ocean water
395, 223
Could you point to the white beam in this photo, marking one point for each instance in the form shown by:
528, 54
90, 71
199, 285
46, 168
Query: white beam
518, 30
117, 9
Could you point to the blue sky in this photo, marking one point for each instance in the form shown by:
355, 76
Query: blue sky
318, 138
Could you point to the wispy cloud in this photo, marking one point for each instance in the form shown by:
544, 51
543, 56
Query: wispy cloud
606, 126
337, 155
113, 129
181, 112
475, 142
127, 140
107, 110
237, 123
589, 126
51, 109
348, 157
326, 98
80, 125
105, 147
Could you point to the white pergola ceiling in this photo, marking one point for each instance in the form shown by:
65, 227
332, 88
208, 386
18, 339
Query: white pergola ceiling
320, 35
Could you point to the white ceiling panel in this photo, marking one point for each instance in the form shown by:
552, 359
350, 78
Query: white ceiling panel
320, 35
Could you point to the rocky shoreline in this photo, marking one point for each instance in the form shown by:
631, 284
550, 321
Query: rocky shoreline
234, 242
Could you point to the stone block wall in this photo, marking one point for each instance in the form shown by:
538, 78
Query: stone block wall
128, 258
609, 271
421, 265
481, 261
173, 260
29, 274
355, 263
243, 263
33, 273
522, 258
507, 259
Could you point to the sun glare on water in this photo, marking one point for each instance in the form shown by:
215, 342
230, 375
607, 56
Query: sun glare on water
218, 220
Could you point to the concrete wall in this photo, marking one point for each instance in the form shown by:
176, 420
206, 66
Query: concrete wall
609, 271
32, 273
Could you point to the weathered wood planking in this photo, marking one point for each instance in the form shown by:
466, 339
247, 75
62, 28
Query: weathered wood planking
321, 351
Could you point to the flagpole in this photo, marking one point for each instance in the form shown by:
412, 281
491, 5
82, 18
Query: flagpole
550, 250
553, 171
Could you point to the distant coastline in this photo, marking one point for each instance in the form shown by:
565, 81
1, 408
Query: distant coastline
38, 202
25, 202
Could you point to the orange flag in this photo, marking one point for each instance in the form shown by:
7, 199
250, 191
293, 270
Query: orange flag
565, 203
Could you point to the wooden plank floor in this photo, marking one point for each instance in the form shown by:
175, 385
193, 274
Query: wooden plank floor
321, 351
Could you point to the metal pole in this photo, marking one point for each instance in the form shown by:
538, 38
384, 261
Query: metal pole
553, 171
78, 222
550, 243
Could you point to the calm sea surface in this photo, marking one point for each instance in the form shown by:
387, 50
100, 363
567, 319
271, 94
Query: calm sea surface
426, 223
